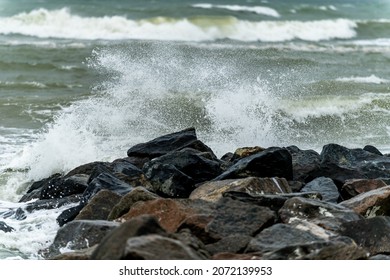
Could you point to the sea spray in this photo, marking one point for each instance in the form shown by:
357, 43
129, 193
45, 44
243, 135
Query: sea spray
147, 91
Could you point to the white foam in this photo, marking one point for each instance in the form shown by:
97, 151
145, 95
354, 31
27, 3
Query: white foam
32, 234
372, 79
62, 23
237, 8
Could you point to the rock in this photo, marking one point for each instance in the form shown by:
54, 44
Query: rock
137, 161
34, 192
354, 187
272, 201
246, 151
100, 168
166, 180
304, 162
148, 247
303, 240
113, 245
328, 250
214, 190
78, 235
169, 212
187, 237
371, 234
372, 149
232, 256
126, 167
198, 166
85, 169
272, 162
127, 201
5, 228
328, 215
380, 257
233, 217
60, 187
325, 187
340, 164
83, 254
372, 203
279, 236
106, 181
229, 244
69, 214
197, 225
167, 143
99, 207
52, 203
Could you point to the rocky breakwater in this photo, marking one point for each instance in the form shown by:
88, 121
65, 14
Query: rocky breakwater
172, 198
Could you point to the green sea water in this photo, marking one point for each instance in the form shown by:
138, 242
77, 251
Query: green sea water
82, 81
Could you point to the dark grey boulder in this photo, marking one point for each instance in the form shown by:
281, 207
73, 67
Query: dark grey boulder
100, 206
373, 234
327, 215
340, 164
167, 143
272, 201
149, 247
303, 240
168, 181
78, 235
325, 186
113, 246
304, 162
272, 162
199, 166
236, 217
106, 181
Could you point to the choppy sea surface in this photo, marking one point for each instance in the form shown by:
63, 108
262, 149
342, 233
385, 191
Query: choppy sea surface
82, 81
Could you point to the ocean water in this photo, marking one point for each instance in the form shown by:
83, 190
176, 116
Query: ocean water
85, 80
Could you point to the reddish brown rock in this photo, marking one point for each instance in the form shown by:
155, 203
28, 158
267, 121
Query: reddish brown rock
355, 187
169, 212
372, 203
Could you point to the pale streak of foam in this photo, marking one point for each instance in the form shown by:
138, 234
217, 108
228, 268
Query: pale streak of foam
43, 23
237, 8
317, 106
372, 79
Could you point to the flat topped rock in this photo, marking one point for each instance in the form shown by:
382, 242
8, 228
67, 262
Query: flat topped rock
214, 190
272, 162
167, 143
327, 215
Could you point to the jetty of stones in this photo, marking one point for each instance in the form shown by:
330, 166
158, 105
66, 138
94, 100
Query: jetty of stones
173, 198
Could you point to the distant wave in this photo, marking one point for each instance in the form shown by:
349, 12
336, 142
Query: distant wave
43, 23
255, 9
364, 80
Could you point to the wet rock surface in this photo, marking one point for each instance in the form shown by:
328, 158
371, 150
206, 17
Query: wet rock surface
172, 198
